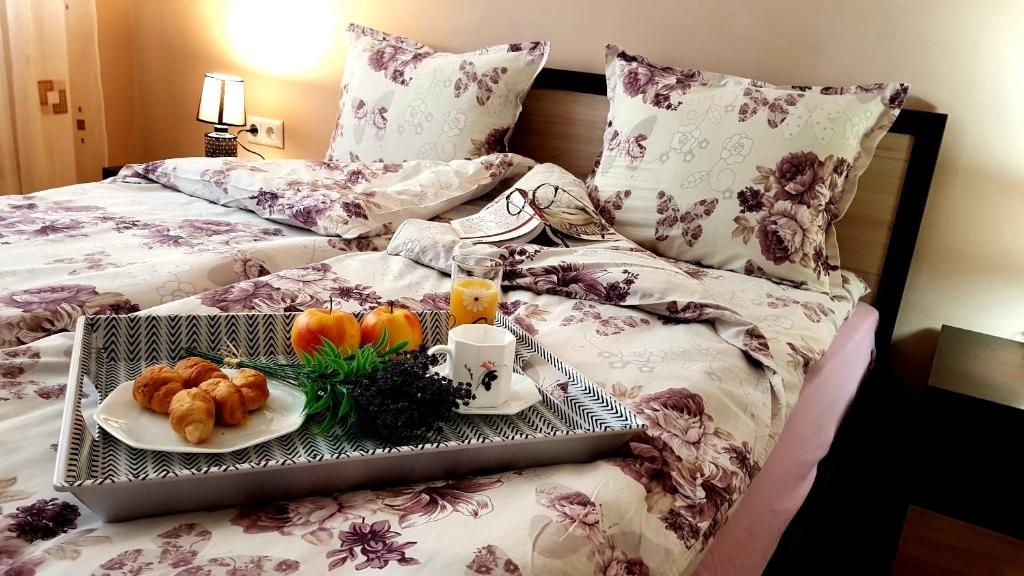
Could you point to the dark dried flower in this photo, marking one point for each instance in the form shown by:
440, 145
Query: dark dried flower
404, 401
43, 519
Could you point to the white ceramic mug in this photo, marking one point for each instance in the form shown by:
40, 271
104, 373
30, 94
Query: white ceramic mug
482, 356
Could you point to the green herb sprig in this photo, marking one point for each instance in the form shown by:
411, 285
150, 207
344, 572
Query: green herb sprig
328, 371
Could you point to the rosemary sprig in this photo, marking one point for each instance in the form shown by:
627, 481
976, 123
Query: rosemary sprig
288, 373
323, 376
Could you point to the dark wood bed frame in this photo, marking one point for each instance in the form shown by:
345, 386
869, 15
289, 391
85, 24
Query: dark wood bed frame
853, 515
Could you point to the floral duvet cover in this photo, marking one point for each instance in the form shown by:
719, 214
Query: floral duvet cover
129, 243
712, 361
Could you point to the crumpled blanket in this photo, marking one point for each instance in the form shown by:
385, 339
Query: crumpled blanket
711, 360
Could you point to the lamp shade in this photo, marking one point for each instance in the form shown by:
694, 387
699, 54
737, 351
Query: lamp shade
222, 101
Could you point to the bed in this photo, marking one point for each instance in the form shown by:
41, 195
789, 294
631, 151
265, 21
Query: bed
566, 519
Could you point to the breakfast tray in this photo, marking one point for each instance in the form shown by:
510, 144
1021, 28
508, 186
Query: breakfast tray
119, 482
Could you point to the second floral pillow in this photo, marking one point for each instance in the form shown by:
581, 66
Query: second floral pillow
733, 173
401, 100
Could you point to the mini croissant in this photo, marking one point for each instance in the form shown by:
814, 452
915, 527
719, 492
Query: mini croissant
229, 400
156, 386
253, 385
192, 415
195, 371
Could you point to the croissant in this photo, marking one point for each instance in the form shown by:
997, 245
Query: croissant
192, 415
253, 385
156, 386
195, 371
230, 402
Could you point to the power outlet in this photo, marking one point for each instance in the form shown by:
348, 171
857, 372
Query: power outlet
271, 131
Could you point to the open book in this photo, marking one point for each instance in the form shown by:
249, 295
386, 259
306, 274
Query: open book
517, 216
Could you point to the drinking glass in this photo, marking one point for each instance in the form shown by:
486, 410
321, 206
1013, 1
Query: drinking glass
476, 289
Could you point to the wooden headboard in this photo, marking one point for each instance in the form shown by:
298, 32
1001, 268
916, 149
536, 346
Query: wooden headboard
563, 122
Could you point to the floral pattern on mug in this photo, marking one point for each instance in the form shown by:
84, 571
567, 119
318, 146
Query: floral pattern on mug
488, 374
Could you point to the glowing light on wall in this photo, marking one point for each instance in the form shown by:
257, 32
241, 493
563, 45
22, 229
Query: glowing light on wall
277, 37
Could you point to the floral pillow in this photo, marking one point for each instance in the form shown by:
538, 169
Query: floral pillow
400, 100
346, 199
733, 173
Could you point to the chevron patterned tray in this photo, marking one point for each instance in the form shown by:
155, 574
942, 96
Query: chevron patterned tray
117, 481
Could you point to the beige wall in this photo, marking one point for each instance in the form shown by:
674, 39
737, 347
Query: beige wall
115, 31
962, 58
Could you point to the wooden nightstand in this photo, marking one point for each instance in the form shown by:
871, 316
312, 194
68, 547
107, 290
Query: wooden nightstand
972, 432
111, 171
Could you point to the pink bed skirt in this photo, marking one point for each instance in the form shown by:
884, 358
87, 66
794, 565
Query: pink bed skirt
748, 539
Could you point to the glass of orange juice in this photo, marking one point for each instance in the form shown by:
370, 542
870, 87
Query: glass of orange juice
476, 289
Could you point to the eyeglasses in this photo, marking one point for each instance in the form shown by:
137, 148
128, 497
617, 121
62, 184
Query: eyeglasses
542, 198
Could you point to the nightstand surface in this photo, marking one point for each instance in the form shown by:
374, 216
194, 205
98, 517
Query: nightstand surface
979, 365
111, 171
968, 431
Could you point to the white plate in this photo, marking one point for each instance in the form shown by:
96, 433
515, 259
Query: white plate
524, 394
138, 427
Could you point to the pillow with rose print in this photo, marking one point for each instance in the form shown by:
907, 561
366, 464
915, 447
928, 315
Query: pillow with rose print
733, 173
401, 100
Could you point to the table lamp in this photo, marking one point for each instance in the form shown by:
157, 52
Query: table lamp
222, 104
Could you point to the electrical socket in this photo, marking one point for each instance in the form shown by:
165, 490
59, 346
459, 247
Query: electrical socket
271, 131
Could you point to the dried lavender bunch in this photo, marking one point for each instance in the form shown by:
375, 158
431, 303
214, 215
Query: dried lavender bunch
404, 402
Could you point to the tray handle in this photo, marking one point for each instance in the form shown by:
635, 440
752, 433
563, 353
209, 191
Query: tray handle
71, 414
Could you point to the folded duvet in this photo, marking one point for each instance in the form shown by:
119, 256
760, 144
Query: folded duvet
174, 228
345, 199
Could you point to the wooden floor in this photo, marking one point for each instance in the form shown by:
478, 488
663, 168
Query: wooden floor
934, 545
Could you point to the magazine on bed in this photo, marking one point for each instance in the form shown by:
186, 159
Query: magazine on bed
519, 216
